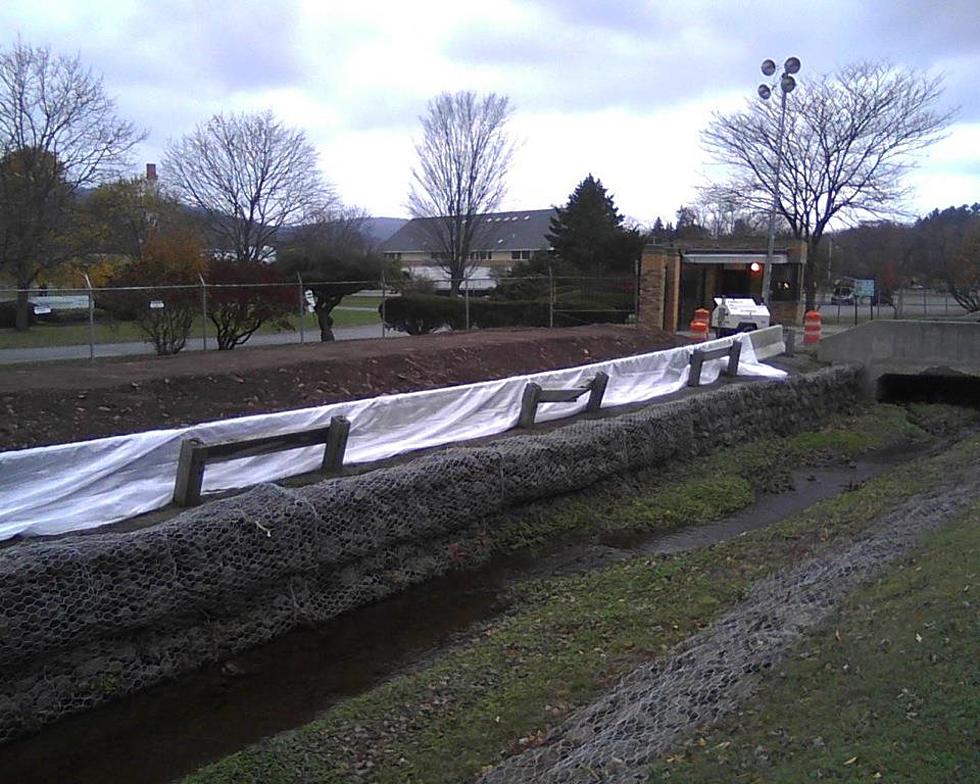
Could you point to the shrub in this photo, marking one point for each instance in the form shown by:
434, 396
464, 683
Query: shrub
419, 314
167, 274
237, 311
573, 312
489, 313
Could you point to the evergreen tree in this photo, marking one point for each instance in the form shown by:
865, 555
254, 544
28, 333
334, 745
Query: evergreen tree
588, 232
658, 233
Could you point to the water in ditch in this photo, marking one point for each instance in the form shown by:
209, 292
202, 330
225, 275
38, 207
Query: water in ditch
173, 729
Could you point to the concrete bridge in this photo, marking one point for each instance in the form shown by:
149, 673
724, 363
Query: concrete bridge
938, 350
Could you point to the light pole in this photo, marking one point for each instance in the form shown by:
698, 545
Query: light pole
786, 85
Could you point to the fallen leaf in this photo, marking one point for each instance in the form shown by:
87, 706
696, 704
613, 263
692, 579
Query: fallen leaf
851, 761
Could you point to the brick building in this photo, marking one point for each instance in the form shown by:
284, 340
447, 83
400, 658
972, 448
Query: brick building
674, 281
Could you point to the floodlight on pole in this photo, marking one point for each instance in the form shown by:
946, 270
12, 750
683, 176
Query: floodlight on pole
786, 85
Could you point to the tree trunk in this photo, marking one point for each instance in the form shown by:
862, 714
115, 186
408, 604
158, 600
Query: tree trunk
23, 315
325, 320
810, 278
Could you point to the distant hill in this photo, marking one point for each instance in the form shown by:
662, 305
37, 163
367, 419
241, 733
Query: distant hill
380, 229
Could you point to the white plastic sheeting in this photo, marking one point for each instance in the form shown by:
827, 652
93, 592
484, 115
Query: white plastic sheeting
72, 487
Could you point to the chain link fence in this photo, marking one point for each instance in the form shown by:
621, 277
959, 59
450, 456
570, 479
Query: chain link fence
95, 321
920, 303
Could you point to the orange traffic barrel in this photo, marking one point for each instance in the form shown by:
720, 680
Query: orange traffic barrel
702, 314
811, 328
699, 329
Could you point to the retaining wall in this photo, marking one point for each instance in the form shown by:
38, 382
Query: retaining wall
88, 618
908, 347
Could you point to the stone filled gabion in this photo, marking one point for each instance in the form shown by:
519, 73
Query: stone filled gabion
90, 617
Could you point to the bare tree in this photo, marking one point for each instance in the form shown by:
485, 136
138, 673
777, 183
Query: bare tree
59, 132
335, 257
250, 176
724, 216
464, 157
850, 139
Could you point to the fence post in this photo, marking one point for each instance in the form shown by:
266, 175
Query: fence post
204, 312
551, 297
466, 300
598, 384
190, 473
333, 454
697, 360
529, 404
734, 353
384, 307
636, 292
302, 309
91, 317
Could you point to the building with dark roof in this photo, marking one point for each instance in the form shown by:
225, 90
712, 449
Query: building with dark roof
503, 239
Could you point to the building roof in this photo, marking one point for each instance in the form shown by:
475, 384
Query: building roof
498, 231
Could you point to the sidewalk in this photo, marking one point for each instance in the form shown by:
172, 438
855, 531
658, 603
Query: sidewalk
50, 353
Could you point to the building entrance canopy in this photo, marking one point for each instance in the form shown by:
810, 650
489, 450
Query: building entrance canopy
732, 258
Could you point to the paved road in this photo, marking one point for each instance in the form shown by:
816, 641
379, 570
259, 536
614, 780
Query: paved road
49, 353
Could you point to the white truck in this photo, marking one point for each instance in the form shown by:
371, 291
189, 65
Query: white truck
735, 314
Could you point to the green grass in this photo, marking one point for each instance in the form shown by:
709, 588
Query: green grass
887, 690
566, 639
76, 334
726, 480
360, 301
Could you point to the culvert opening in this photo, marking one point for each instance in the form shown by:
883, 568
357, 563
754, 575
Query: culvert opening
951, 390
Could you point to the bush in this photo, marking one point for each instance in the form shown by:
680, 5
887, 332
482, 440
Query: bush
167, 274
244, 296
571, 312
489, 313
419, 314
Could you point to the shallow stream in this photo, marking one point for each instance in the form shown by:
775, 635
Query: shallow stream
173, 729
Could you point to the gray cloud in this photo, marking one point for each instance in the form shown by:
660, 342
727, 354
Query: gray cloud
174, 64
640, 55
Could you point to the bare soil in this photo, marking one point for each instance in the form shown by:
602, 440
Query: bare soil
58, 402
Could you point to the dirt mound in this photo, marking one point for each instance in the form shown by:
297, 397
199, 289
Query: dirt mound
70, 401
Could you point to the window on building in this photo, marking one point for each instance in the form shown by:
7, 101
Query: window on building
520, 255
393, 256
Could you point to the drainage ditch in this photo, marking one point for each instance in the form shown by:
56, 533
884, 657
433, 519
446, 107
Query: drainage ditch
173, 729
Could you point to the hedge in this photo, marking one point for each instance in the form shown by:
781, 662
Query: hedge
418, 314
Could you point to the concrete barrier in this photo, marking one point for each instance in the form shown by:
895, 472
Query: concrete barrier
906, 348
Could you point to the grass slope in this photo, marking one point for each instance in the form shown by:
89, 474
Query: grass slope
888, 690
566, 639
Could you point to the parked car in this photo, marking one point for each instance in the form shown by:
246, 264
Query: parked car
843, 295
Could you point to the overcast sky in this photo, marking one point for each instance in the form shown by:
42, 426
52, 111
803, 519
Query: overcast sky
619, 88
